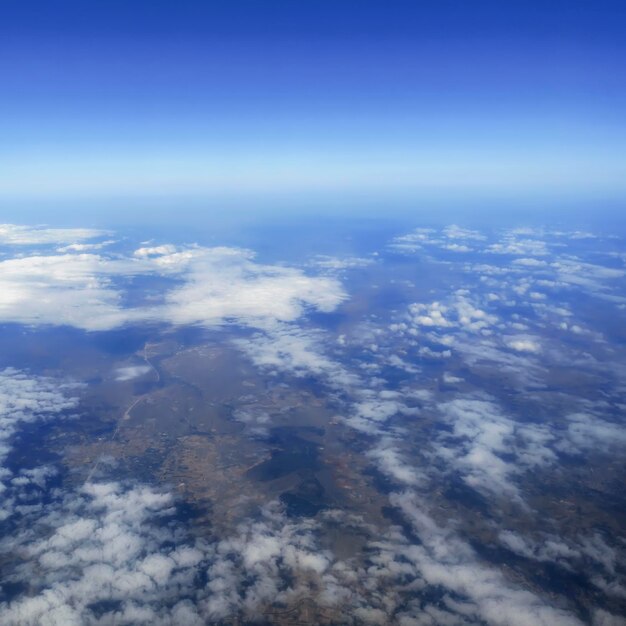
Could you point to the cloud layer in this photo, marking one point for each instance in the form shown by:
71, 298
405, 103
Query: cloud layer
212, 286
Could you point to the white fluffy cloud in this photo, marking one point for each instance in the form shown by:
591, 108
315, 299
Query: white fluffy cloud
131, 372
114, 553
456, 232
226, 284
392, 464
588, 432
154, 251
216, 285
105, 545
482, 436
14, 234
460, 312
63, 289
341, 263
443, 559
371, 410
523, 344
289, 349
452, 238
24, 399
513, 244
491, 449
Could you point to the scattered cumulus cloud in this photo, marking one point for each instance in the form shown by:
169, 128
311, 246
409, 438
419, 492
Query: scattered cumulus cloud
451, 238
25, 399
298, 352
216, 286
444, 560
16, 235
131, 372
155, 251
341, 263
223, 284
459, 313
523, 344
85, 247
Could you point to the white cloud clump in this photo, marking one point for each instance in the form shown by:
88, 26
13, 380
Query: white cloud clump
447, 239
341, 263
223, 284
215, 286
290, 349
523, 344
460, 313
13, 234
130, 372
115, 554
153, 251
491, 449
444, 560
25, 399
64, 289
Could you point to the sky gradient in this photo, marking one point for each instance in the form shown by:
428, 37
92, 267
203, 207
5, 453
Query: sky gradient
142, 98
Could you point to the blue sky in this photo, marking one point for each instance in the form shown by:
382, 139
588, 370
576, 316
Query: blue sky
203, 98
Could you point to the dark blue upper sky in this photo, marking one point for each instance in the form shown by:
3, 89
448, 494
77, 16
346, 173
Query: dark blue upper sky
139, 97
526, 21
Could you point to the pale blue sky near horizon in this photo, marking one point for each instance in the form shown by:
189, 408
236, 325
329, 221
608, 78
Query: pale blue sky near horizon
243, 100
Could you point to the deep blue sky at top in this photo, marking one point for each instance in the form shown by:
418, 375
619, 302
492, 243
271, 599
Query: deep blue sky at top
153, 96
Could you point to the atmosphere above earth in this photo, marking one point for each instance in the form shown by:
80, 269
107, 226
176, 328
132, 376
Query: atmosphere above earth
312, 313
